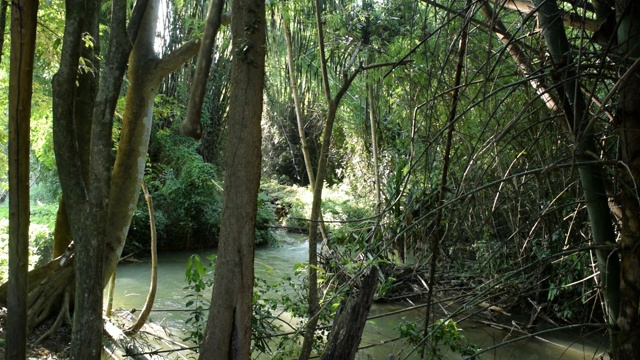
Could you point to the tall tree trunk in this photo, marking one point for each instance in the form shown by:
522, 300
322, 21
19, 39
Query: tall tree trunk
23, 36
146, 71
627, 119
100, 205
321, 173
69, 106
228, 332
435, 240
374, 149
299, 119
591, 176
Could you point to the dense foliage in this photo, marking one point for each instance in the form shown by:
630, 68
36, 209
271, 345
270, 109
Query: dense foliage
509, 218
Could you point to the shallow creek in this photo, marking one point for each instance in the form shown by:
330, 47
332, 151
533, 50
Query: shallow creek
275, 262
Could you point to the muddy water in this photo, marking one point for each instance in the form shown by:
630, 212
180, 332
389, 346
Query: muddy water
273, 263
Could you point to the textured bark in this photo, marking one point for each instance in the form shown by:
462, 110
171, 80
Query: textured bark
103, 202
627, 119
192, 125
228, 332
73, 100
350, 320
23, 35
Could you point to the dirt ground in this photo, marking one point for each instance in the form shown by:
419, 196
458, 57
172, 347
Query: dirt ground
54, 348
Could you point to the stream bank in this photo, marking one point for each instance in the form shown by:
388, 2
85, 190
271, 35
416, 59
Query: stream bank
276, 262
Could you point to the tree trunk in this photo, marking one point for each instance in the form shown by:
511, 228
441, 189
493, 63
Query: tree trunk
23, 34
299, 119
350, 320
192, 125
73, 101
591, 176
228, 332
94, 220
627, 119
146, 71
451, 120
321, 173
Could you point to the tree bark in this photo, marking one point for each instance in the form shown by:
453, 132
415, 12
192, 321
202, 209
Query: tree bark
350, 320
228, 332
74, 96
627, 119
23, 36
192, 125
101, 204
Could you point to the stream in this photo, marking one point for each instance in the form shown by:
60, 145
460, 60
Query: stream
275, 262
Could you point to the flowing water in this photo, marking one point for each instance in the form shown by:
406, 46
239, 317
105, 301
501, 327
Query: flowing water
275, 262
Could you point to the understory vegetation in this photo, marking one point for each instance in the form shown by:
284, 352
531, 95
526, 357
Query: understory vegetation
452, 169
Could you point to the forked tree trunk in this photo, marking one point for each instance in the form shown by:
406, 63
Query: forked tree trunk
69, 133
228, 332
91, 222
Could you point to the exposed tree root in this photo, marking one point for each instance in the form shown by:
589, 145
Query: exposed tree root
62, 315
48, 294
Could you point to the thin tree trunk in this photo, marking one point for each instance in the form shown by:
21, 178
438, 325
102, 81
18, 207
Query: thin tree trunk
299, 119
110, 292
513, 47
192, 125
151, 296
374, 148
591, 176
23, 34
435, 240
228, 332
3, 23
312, 272
332, 103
